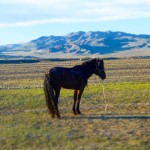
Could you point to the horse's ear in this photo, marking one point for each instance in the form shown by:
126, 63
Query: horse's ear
97, 59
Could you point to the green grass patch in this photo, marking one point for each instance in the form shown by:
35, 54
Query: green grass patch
25, 123
114, 93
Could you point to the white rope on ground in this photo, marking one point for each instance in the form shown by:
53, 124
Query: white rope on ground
106, 104
104, 96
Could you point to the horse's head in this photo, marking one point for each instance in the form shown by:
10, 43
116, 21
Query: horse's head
99, 69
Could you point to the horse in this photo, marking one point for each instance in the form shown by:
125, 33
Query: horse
75, 78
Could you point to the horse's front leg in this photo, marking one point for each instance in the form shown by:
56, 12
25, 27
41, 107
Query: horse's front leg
75, 100
80, 92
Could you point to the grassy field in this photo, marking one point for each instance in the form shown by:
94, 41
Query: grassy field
115, 113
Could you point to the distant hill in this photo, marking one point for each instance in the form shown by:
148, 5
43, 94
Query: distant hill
104, 44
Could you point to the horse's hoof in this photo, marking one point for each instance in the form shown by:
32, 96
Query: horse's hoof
53, 116
78, 113
58, 116
74, 113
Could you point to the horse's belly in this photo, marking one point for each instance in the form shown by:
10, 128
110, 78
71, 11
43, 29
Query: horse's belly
70, 85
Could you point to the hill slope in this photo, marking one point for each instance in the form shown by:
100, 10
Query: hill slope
107, 44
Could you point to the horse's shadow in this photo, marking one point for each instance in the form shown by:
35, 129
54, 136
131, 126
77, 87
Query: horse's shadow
107, 117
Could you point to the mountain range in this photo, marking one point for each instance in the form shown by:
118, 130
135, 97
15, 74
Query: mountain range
79, 44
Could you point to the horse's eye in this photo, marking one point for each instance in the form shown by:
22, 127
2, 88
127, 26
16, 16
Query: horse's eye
98, 64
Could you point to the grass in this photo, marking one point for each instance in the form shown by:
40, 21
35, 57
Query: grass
25, 123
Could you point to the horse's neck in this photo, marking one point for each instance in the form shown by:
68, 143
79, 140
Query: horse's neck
87, 71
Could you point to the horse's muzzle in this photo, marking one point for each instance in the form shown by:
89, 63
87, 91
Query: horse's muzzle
103, 76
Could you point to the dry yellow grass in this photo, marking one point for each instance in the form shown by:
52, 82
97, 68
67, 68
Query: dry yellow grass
25, 123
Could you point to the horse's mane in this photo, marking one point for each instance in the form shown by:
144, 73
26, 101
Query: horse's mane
88, 61
85, 64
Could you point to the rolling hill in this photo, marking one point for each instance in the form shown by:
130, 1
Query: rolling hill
78, 44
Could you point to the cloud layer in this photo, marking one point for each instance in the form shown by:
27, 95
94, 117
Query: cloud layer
33, 12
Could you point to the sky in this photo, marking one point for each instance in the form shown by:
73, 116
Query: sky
25, 20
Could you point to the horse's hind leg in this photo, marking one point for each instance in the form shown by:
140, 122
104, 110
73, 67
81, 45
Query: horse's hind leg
57, 93
75, 100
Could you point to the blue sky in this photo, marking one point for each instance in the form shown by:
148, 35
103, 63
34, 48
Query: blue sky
25, 20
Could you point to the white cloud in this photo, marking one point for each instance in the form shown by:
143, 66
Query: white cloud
35, 22
57, 20
68, 11
39, 3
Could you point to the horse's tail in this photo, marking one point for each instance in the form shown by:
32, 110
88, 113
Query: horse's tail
49, 95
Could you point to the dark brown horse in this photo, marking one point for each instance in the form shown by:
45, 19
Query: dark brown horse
70, 78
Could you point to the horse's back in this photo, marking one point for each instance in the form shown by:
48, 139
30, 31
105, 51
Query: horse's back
66, 77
